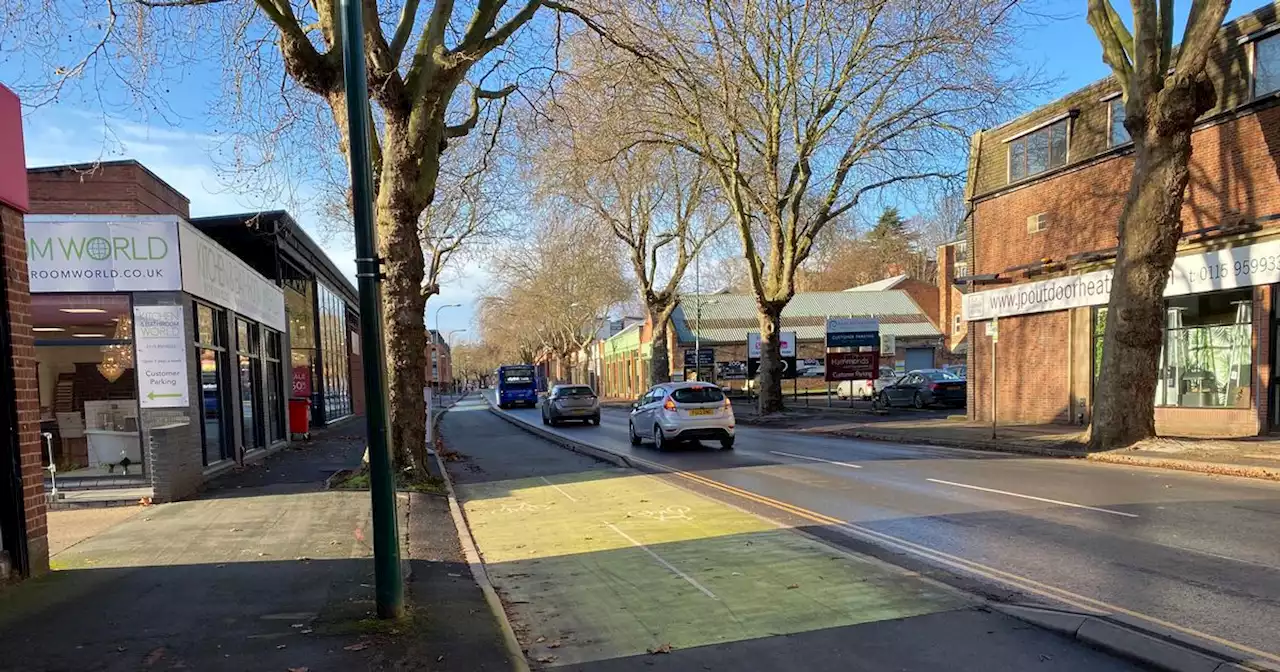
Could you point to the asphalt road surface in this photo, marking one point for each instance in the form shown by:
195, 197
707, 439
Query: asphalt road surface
1194, 554
602, 567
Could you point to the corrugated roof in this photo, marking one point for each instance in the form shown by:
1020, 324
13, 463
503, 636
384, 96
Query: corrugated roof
726, 318
879, 285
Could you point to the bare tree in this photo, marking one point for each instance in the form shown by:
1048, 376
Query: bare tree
658, 202
1165, 91
279, 56
801, 108
551, 296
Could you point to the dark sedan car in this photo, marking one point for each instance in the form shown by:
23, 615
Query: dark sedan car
925, 387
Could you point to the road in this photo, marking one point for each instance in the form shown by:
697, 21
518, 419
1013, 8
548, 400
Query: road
1198, 555
609, 569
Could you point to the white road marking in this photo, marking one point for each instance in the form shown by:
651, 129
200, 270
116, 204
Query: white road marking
664, 563
558, 489
816, 459
1038, 499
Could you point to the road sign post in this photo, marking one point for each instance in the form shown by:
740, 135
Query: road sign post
388, 582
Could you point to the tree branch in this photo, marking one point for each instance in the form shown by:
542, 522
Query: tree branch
461, 129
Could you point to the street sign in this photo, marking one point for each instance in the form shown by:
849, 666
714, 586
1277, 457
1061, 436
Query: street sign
993, 329
161, 360
706, 357
853, 365
888, 344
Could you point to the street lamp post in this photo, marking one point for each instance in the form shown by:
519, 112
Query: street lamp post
447, 305
697, 318
388, 581
448, 341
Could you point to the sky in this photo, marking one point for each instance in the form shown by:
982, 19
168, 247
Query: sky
185, 145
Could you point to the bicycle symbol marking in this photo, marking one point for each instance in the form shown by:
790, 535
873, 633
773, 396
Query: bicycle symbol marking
664, 515
521, 507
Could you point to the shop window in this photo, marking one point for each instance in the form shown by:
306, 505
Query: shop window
334, 360
1266, 66
1039, 151
273, 386
1206, 360
87, 384
299, 305
248, 356
1117, 134
211, 352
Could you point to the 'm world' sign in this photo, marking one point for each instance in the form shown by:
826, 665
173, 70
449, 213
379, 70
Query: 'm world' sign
102, 255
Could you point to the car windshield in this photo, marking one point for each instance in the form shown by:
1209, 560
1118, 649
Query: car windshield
578, 391
940, 375
697, 395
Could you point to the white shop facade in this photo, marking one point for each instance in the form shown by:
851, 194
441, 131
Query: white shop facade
158, 355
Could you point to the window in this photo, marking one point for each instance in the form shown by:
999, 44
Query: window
273, 386
1118, 134
248, 354
299, 304
574, 391
211, 351
87, 386
1207, 357
1266, 66
334, 359
1036, 152
697, 395
956, 322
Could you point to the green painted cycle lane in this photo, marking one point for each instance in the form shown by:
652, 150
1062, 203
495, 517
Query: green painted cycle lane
614, 563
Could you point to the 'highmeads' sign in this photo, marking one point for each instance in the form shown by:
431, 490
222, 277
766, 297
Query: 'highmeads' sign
102, 254
1229, 268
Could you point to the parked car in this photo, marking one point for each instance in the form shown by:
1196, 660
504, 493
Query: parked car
674, 412
925, 387
959, 370
570, 402
866, 389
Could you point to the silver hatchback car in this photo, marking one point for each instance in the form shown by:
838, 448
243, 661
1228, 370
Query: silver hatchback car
570, 402
688, 411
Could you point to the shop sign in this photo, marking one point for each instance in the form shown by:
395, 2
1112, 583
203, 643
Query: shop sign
302, 381
736, 370
853, 332
1229, 268
788, 367
214, 274
705, 356
788, 344
92, 254
853, 365
161, 361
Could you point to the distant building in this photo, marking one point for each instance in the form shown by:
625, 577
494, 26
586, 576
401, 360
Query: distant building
439, 362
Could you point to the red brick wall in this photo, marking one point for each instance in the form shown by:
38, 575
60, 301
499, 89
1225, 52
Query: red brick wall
1233, 172
27, 392
925, 295
115, 188
1031, 371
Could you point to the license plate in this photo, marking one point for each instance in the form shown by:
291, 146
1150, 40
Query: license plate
702, 411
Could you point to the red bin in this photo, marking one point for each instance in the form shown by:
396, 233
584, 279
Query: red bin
300, 416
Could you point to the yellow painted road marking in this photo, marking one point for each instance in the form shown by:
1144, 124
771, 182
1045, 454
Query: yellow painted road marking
662, 562
816, 459
969, 566
1032, 497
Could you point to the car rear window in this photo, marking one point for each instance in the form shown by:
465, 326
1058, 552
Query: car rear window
941, 375
575, 392
697, 395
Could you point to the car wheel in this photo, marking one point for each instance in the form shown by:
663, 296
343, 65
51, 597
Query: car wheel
884, 400
917, 401
727, 444
594, 421
631, 432
659, 441
545, 421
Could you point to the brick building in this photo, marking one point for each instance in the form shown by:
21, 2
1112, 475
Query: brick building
1046, 191
439, 361
24, 546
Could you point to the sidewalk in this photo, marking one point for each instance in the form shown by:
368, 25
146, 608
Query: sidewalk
267, 571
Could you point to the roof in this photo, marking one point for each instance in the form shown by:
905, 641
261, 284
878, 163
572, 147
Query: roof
880, 285
91, 166
289, 235
727, 318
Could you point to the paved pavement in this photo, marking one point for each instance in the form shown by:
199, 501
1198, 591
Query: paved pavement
266, 571
1187, 552
604, 568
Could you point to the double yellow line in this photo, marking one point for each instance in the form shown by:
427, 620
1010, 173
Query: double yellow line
955, 562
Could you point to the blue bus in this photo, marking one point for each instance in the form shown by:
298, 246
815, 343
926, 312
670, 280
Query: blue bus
517, 384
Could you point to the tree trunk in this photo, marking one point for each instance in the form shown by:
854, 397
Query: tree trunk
1150, 227
403, 305
770, 400
660, 354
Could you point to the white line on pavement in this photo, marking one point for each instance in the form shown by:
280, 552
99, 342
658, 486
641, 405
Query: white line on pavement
664, 563
1038, 499
558, 489
816, 459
